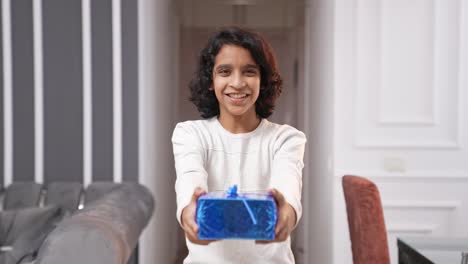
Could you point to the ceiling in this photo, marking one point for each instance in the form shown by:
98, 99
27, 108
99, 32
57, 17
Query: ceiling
271, 14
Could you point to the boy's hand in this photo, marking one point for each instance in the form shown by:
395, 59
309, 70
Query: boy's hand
188, 219
285, 221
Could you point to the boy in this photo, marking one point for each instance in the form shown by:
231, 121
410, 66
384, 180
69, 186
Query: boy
235, 89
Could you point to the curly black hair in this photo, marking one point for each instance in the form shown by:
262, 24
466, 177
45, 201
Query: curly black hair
270, 79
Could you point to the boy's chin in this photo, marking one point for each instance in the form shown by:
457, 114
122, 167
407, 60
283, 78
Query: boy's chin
240, 112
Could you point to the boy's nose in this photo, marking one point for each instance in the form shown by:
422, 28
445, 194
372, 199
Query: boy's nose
238, 82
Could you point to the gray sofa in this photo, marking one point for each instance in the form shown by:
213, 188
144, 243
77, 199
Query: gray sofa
62, 223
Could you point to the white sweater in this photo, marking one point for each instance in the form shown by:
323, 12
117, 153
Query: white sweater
208, 156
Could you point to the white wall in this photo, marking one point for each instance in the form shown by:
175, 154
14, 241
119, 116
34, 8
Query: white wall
157, 59
316, 100
401, 80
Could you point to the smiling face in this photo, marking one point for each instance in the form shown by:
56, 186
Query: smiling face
236, 82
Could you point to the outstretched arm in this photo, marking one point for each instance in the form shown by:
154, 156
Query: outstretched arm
286, 179
191, 177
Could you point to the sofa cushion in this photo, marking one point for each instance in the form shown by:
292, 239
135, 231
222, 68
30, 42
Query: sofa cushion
23, 230
64, 194
22, 195
97, 190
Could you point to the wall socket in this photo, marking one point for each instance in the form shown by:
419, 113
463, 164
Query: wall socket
394, 164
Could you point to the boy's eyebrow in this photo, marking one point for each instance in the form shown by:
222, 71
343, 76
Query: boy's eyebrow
251, 66
229, 66
223, 66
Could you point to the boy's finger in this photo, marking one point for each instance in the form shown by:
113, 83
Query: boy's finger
279, 198
264, 242
279, 229
282, 236
193, 237
197, 193
192, 225
202, 242
281, 223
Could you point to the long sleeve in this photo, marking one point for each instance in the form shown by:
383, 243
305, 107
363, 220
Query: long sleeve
208, 156
189, 164
287, 167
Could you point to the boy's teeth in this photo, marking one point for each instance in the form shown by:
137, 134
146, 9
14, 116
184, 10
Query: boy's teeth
237, 95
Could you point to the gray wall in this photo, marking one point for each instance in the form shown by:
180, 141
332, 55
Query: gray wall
62, 94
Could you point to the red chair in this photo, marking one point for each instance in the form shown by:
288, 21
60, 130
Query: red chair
366, 221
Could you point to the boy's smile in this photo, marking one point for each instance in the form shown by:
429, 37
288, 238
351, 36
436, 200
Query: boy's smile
236, 83
237, 98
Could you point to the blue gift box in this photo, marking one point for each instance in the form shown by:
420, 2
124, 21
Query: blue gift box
232, 215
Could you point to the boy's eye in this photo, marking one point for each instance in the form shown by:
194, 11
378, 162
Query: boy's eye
224, 72
251, 72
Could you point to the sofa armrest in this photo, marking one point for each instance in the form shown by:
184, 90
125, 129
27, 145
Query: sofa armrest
105, 231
